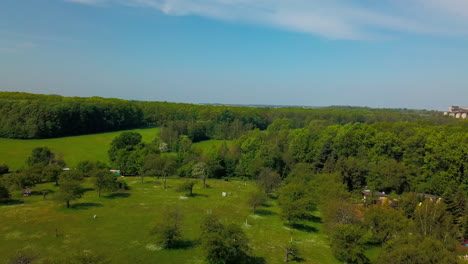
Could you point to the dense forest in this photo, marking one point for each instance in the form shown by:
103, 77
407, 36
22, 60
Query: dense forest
27, 116
412, 165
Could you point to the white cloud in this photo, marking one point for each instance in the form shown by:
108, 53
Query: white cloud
336, 19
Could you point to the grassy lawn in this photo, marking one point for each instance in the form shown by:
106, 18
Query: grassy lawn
209, 145
121, 230
14, 152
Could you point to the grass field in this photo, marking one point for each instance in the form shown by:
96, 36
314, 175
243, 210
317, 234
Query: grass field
209, 145
121, 230
14, 152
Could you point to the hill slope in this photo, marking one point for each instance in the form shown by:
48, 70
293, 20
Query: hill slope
14, 152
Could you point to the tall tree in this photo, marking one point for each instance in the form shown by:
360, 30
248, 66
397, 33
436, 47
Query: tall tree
268, 180
52, 173
104, 181
70, 187
4, 192
41, 155
256, 199
125, 152
200, 170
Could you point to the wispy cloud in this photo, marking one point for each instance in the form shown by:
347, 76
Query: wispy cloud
335, 19
14, 48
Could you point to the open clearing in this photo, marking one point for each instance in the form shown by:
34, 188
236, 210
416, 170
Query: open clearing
120, 231
14, 152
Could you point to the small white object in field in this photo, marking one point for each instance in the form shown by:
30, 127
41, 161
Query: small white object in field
224, 194
94, 216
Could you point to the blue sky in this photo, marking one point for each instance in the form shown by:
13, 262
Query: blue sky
377, 53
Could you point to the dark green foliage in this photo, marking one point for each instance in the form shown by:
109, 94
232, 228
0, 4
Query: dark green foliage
17, 181
4, 192
433, 220
35, 174
41, 156
337, 212
296, 201
160, 166
4, 169
388, 175
457, 205
126, 140
104, 181
256, 199
385, 223
223, 243
44, 116
127, 153
52, 173
167, 228
415, 249
354, 172
348, 243
408, 203
280, 124
268, 180
87, 166
70, 187
187, 187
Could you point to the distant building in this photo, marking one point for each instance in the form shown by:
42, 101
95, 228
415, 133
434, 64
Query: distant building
375, 197
115, 172
457, 112
431, 197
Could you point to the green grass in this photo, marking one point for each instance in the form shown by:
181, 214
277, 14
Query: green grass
209, 145
121, 230
14, 152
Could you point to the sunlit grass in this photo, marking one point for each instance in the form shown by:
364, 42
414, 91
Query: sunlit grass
14, 152
121, 230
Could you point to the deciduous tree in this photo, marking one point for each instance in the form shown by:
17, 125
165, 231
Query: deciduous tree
70, 187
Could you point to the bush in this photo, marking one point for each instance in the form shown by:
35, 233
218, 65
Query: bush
186, 186
223, 244
167, 228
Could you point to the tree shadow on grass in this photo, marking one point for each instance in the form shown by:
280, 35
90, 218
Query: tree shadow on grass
304, 228
11, 202
84, 206
273, 196
84, 190
298, 259
314, 218
40, 192
186, 244
254, 260
264, 212
117, 195
198, 194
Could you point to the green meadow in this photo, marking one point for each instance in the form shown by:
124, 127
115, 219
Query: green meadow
121, 230
14, 152
209, 145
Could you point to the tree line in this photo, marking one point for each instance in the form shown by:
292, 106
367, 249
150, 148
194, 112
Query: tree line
28, 116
